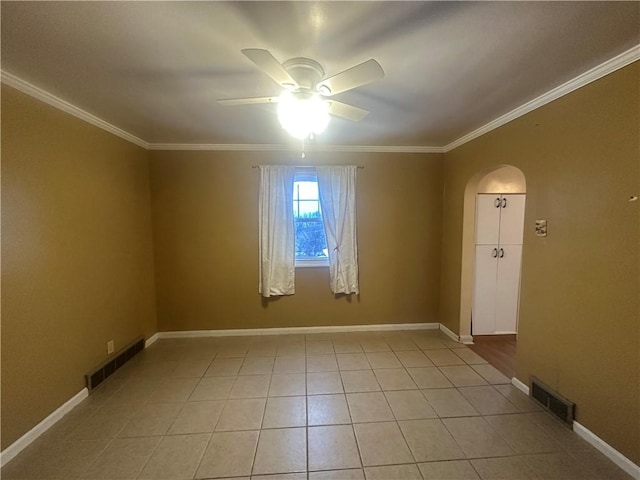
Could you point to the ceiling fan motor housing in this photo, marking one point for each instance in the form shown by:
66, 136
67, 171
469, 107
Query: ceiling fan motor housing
305, 71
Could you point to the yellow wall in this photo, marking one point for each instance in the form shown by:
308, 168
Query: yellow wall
206, 243
579, 305
77, 256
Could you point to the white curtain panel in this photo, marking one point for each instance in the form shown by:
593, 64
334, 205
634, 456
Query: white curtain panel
276, 229
337, 188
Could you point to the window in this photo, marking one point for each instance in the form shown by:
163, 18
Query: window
311, 243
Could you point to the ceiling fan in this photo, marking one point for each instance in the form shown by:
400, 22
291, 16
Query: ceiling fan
305, 103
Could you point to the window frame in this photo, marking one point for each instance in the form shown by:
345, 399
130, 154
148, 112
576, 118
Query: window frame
309, 174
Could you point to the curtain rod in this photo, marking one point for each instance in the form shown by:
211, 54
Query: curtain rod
308, 166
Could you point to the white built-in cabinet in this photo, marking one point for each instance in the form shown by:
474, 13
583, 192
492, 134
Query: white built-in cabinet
499, 231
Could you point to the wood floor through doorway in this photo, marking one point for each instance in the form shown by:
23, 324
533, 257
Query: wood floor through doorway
498, 350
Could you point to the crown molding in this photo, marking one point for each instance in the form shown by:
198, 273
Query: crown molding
297, 148
48, 98
610, 66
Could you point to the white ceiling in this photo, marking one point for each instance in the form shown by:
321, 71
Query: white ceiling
155, 69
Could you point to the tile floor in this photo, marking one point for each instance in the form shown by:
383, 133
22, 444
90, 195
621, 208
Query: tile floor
374, 405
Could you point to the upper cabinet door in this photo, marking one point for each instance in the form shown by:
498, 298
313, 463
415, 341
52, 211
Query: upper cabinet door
488, 207
512, 219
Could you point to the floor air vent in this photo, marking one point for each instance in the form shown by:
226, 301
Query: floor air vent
104, 371
553, 401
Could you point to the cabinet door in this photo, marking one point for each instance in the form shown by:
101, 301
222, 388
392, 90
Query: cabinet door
512, 219
488, 218
483, 312
508, 288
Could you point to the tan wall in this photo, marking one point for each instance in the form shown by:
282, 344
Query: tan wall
76, 255
204, 207
579, 309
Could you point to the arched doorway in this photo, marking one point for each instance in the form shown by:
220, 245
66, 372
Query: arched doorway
500, 179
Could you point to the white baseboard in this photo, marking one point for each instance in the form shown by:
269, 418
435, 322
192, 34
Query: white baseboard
591, 438
24, 441
614, 455
520, 386
151, 340
298, 330
449, 333
466, 339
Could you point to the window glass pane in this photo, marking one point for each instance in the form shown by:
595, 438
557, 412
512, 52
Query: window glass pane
310, 238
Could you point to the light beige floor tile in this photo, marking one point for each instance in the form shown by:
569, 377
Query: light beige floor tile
443, 356
347, 346
463, 376
176, 458
429, 377
281, 451
317, 337
103, 426
53, 458
350, 474
288, 385
487, 400
322, 363
522, 402
353, 361
359, 381
173, 390
257, 365
241, 414
320, 348
263, 350
383, 360
476, 437
285, 412
197, 417
229, 454
401, 344
290, 364
522, 435
325, 382
291, 349
153, 419
190, 369
396, 472
332, 447
554, 466
491, 374
213, 388
507, 468
449, 402
374, 346
429, 440
394, 379
449, 470
369, 407
251, 386
409, 405
232, 351
280, 476
223, 367
565, 438
124, 458
327, 409
414, 358
376, 451
429, 343
599, 466
469, 356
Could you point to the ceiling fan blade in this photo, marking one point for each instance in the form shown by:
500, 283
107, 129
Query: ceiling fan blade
269, 65
349, 112
248, 101
366, 72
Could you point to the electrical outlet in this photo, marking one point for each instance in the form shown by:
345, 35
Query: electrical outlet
110, 347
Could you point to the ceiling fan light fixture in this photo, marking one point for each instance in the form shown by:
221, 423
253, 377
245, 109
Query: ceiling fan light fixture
303, 114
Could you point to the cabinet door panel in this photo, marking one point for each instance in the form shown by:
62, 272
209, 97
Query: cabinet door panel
508, 288
484, 293
512, 219
487, 218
